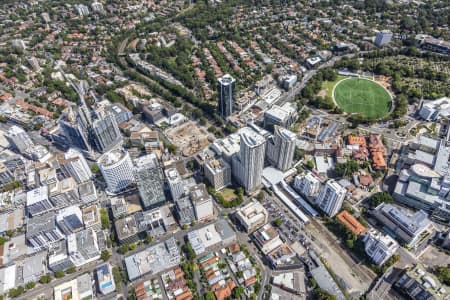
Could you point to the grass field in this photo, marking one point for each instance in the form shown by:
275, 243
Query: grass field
228, 194
357, 95
327, 86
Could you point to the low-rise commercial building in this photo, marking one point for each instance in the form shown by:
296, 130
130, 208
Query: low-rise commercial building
154, 259
79, 288
252, 215
219, 233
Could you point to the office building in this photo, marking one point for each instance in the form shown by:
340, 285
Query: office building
73, 126
284, 116
435, 109
106, 133
211, 236
79, 288
150, 181
185, 211
267, 238
408, 229
218, 173
75, 165
383, 38
202, 202
83, 247
331, 197
153, 260
252, 216
280, 148
226, 91
42, 231
176, 183
249, 162
70, 220
307, 184
117, 170
105, 279
288, 81
379, 247
430, 43
419, 284
425, 184
18, 139
38, 202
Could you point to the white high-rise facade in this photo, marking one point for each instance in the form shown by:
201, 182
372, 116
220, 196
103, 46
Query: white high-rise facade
307, 184
18, 138
331, 197
117, 170
75, 165
281, 148
379, 247
248, 164
176, 183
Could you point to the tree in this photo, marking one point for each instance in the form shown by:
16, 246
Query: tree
277, 222
238, 292
105, 255
71, 270
16, 292
95, 169
378, 198
59, 274
30, 285
443, 274
310, 164
210, 296
104, 218
190, 253
45, 279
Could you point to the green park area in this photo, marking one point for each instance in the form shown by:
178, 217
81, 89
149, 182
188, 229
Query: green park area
363, 96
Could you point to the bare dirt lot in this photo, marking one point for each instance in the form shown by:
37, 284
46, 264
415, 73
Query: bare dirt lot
189, 137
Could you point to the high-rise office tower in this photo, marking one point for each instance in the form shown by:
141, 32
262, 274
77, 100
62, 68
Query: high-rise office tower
106, 133
74, 165
281, 148
117, 170
226, 90
248, 164
331, 197
18, 138
73, 129
176, 183
150, 181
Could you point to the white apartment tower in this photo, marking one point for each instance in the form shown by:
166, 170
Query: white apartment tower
379, 247
281, 148
248, 164
75, 165
307, 184
117, 170
331, 197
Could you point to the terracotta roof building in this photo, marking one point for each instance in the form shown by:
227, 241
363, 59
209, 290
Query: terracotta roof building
351, 223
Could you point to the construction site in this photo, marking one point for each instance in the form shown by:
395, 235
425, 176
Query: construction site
189, 137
